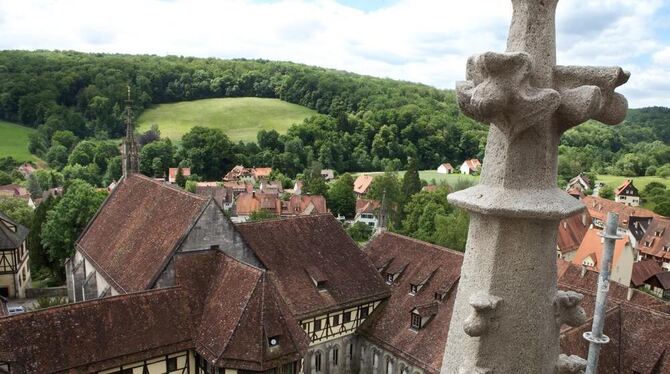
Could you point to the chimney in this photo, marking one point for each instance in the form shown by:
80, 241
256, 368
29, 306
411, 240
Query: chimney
584, 219
565, 225
583, 272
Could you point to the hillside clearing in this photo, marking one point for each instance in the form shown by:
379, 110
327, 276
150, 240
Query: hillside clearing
14, 141
429, 175
240, 118
615, 181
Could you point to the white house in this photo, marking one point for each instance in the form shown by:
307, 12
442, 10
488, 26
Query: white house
367, 211
445, 168
627, 193
470, 166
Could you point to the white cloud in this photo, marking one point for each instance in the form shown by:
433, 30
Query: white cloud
426, 41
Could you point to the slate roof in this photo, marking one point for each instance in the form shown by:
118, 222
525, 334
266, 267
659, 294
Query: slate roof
643, 270
287, 246
599, 207
571, 231
137, 229
8, 238
362, 183
438, 269
242, 313
656, 240
90, 336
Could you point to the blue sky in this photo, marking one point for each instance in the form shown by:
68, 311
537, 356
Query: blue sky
425, 41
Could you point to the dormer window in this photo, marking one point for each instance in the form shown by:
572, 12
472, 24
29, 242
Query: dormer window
390, 278
415, 323
318, 277
273, 341
413, 289
439, 296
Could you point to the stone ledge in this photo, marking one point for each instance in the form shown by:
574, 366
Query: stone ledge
548, 204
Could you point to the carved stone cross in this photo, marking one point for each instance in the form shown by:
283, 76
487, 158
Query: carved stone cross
510, 259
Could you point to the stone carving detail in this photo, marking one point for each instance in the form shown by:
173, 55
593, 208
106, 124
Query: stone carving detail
570, 365
498, 91
568, 310
482, 319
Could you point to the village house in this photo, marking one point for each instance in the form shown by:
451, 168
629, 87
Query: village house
627, 194
328, 174
581, 183
172, 174
18, 192
270, 203
368, 211
445, 168
470, 166
571, 232
362, 184
14, 260
659, 284
274, 187
598, 208
238, 172
26, 169
655, 243
223, 195
648, 275
590, 255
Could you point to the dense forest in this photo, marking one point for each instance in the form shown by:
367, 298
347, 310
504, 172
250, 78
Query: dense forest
364, 124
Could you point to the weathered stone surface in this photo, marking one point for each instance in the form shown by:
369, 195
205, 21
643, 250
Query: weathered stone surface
515, 210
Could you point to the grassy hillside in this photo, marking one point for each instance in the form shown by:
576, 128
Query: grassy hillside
615, 181
429, 175
14, 141
240, 118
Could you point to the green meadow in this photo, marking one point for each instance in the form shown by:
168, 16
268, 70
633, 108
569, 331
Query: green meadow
240, 118
14, 141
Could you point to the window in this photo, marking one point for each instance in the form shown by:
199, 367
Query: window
317, 325
375, 359
273, 341
416, 321
389, 278
389, 366
365, 311
413, 289
346, 317
438, 296
351, 351
336, 356
171, 364
317, 361
336, 320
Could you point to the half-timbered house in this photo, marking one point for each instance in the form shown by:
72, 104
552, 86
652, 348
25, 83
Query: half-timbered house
14, 260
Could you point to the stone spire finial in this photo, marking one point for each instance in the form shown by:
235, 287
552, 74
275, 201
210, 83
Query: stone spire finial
516, 208
130, 158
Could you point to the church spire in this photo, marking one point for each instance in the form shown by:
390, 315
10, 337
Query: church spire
130, 163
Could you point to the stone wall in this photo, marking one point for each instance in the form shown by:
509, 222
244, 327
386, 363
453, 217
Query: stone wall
34, 293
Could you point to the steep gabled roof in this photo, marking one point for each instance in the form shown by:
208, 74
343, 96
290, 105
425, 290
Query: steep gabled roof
656, 240
592, 246
571, 231
242, 313
250, 202
643, 270
389, 325
598, 208
137, 230
94, 335
362, 183
287, 246
627, 183
368, 206
11, 239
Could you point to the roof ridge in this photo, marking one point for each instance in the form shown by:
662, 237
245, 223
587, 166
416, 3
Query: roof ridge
280, 219
419, 241
168, 186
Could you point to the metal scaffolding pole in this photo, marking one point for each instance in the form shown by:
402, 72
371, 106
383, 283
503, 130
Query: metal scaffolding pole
596, 337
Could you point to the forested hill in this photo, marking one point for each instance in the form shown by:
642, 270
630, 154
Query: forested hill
365, 123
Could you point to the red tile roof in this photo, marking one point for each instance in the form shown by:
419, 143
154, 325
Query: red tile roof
472, 164
172, 173
447, 166
599, 207
248, 203
571, 231
137, 230
438, 269
304, 205
623, 186
656, 241
91, 336
242, 313
643, 270
367, 206
287, 247
592, 247
263, 172
362, 183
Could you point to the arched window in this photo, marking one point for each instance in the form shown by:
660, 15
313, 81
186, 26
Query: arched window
335, 355
389, 366
375, 359
317, 361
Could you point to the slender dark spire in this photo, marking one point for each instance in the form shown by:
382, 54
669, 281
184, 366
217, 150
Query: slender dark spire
130, 163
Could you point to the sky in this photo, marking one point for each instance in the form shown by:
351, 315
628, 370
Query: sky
426, 41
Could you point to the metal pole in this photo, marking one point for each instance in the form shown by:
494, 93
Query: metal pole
596, 336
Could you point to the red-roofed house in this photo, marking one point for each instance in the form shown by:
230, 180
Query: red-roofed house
445, 168
470, 166
172, 174
571, 232
361, 184
655, 244
590, 255
367, 211
627, 193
